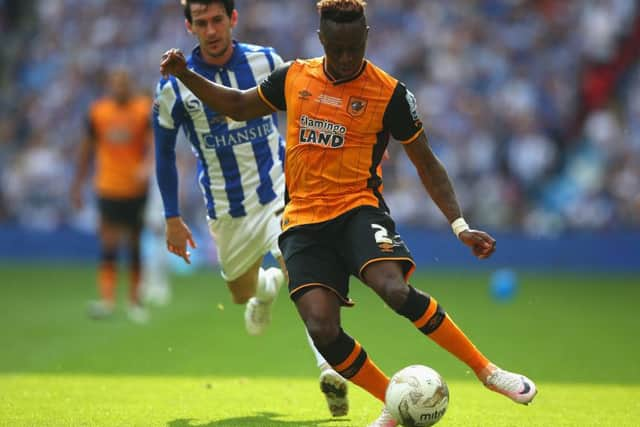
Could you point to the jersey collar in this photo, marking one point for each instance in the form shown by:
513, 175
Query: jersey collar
196, 57
340, 81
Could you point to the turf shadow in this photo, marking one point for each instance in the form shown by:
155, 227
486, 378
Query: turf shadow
262, 419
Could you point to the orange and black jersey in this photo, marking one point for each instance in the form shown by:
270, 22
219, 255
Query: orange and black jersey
337, 132
121, 133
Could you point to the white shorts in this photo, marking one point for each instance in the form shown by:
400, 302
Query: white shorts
242, 241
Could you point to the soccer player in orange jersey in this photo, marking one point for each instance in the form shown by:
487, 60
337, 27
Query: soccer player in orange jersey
119, 142
341, 110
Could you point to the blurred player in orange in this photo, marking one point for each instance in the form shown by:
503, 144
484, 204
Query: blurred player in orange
118, 142
341, 111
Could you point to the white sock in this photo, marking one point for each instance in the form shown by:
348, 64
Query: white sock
266, 288
320, 361
155, 265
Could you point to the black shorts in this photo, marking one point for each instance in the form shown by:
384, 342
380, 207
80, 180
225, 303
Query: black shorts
326, 254
125, 212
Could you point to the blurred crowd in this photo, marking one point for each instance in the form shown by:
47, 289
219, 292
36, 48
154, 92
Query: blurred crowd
499, 85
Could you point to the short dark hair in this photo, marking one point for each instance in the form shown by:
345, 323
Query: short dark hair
229, 5
341, 10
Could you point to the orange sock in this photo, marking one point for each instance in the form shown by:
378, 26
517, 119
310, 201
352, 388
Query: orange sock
430, 318
452, 339
349, 359
107, 281
372, 379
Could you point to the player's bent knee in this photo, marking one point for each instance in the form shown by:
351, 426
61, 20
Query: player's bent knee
395, 294
387, 281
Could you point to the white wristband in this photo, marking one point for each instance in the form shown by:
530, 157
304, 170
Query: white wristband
459, 225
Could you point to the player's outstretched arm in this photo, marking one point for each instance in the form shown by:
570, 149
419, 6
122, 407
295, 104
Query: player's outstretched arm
240, 105
436, 181
434, 177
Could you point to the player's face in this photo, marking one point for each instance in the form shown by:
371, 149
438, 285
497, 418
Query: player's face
120, 85
212, 26
344, 46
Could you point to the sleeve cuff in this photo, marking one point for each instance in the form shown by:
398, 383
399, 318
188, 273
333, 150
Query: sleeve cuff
413, 138
265, 100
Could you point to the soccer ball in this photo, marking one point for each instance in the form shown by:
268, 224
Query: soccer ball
417, 396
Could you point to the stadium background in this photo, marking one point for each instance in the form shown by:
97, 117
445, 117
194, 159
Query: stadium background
533, 106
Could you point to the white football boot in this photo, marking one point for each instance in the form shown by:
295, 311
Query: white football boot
100, 309
138, 314
384, 420
158, 295
517, 387
257, 314
334, 387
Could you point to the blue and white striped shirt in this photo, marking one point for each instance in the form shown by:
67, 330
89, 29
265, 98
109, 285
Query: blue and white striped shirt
240, 164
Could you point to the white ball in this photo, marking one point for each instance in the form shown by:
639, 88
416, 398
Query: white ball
417, 396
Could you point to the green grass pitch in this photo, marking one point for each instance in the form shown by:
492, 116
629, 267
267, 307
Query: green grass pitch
193, 364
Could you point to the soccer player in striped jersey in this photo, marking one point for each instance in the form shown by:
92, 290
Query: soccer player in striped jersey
341, 110
240, 170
